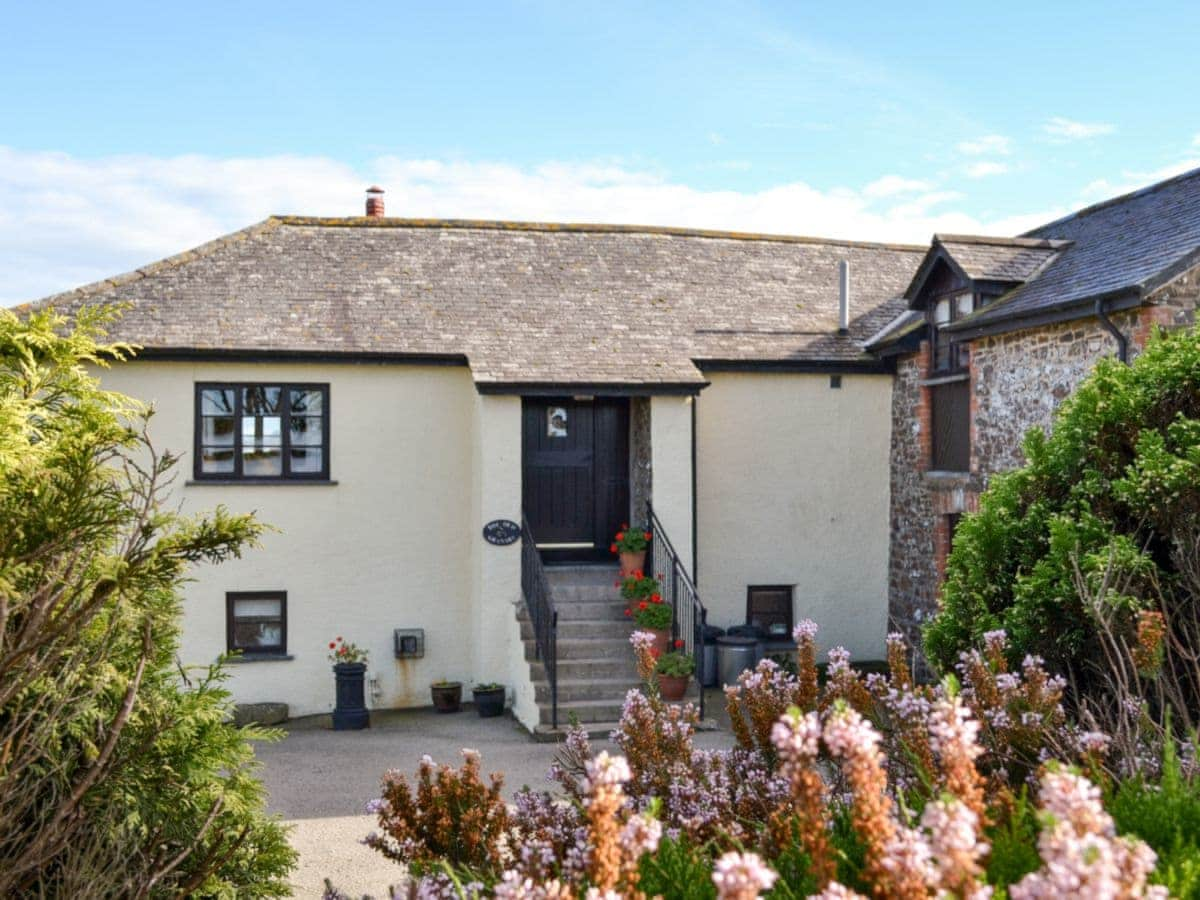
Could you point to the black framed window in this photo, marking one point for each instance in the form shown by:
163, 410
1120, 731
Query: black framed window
269, 432
949, 356
950, 413
256, 622
768, 605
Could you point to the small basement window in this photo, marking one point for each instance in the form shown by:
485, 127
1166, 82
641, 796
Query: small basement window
256, 623
768, 605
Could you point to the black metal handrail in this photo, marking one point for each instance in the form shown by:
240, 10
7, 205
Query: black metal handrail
542, 614
689, 614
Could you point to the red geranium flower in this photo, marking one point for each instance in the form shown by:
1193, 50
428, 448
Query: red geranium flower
339, 637
628, 612
678, 643
642, 605
612, 548
655, 653
624, 525
332, 644
620, 535
648, 535
656, 598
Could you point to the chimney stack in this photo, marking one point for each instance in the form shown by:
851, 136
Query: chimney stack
375, 202
843, 296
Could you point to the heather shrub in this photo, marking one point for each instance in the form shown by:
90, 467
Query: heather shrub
120, 773
1112, 496
877, 786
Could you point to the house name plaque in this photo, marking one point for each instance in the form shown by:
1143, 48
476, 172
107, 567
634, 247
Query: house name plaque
501, 532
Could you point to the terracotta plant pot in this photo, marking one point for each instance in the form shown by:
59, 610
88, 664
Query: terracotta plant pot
632, 562
447, 698
662, 639
673, 687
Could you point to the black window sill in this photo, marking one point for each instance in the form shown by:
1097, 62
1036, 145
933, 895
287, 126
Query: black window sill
290, 482
259, 657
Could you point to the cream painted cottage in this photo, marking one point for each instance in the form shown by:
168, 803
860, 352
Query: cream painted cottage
448, 420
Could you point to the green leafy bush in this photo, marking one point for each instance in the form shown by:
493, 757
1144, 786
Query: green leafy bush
120, 773
1110, 496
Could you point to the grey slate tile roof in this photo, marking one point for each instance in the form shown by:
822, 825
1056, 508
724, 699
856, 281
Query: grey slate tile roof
1128, 245
999, 259
525, 304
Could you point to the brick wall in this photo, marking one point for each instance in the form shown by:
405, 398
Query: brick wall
1017, 381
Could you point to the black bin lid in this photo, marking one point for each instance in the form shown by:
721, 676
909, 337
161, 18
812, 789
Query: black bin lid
737, 640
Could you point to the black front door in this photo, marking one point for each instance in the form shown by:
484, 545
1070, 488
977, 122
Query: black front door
575, 484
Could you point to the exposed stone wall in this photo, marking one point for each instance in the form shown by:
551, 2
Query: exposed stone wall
640, 463
1017, 381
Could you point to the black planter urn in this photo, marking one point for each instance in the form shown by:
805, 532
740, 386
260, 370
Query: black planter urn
350, 712
489, 701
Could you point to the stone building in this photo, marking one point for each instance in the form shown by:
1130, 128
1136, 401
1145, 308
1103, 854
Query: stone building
448, 420
997, 332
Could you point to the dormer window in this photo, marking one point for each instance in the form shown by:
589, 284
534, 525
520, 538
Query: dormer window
949, 356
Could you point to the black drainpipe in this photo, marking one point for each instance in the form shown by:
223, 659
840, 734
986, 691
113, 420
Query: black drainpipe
1122, 341
695, 534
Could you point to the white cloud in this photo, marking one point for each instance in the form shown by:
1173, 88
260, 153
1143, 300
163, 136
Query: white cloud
890, 185
988, 145
66, 221
1132, 180
1062, 129
985, 168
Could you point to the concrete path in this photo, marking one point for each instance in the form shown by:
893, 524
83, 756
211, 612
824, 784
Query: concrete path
319, 781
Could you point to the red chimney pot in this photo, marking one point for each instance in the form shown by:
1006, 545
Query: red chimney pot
375, 202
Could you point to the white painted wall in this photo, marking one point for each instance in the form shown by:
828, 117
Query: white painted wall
793, 489
671, 459
421, 461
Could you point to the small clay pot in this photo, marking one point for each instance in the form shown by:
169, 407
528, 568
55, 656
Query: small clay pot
632, 562
673, 687
447, 698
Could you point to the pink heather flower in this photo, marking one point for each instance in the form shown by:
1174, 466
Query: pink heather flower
995, 640
742, 876
641, 834
641, 640
908, 853
847, 733
952, 726
953, 830
797, 738
513, 887
839, 661
607, 771
1093, 742
597, 894
895, 637
835, 891
805, 628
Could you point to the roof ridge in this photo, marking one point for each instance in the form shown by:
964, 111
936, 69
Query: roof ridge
1034, 243
162, 265
581, 227
1113, 201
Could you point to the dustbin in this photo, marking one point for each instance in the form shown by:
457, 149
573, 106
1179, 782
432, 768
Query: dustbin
708, 658
735, 655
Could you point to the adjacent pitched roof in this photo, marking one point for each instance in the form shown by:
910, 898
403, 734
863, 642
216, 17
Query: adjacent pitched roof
524, 303
890, 339
1124, 247
998, 259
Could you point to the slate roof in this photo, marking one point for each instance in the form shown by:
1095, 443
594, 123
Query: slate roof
1124, 247
891, 338
998, 258
524, 303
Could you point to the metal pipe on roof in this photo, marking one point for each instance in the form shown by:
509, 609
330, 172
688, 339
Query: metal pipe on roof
843, 296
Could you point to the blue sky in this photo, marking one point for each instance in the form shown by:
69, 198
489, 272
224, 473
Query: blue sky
129, 131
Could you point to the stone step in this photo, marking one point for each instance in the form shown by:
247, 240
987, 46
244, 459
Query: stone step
582, 576
586, 648
572, 689
576, 629
582, 669
608, 608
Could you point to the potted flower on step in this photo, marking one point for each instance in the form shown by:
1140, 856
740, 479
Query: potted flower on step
647, 609
349, 670
447, 695
489, 699
630, 547
673, 672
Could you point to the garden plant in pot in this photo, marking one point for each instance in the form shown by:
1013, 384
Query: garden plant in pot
349, 670
647, 609
673, 671
447, 695
489, 699
630, 547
